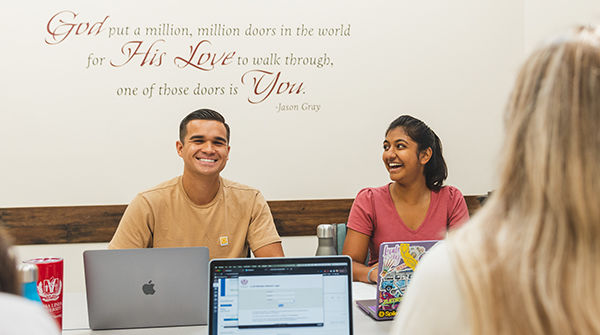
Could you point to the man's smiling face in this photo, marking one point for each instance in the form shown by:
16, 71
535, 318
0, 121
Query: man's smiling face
205, 149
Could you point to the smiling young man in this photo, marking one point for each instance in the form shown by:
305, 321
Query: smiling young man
200, 208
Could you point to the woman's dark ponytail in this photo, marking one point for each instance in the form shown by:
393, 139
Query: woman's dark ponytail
436, 170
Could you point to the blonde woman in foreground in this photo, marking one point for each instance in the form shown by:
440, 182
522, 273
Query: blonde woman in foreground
529, 262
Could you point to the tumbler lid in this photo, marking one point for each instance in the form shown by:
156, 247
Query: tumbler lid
325, 231
29, 272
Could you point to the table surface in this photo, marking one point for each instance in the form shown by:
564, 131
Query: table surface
75, 319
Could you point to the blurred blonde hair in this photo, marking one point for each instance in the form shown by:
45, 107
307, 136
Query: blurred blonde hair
534, 261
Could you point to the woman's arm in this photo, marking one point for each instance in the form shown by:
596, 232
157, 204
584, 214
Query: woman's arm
356, 245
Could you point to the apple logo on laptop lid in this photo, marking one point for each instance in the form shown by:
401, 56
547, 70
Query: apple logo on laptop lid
148, 288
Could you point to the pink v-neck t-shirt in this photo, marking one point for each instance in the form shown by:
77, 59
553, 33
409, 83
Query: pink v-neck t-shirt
374, 214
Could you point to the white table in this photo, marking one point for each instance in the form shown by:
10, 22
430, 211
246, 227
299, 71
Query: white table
75, 319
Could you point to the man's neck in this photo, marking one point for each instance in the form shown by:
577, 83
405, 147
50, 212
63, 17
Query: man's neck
200, 189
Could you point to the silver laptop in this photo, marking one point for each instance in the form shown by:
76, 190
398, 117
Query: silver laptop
133, 288
269, 296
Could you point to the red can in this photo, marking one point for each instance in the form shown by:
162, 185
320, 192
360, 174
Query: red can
50, 285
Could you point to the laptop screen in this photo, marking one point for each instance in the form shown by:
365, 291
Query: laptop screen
281, 296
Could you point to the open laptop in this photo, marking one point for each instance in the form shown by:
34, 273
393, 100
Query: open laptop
133, 288
267, 296
397, 262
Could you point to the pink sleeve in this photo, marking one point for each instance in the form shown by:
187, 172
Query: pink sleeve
361, 218
459, 214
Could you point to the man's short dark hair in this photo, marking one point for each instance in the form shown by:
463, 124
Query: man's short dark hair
201, 114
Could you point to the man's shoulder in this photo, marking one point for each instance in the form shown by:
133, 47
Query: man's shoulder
241, 194
162, 188
232, 186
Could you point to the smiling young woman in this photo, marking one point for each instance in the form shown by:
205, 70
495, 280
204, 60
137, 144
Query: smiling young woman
415, 206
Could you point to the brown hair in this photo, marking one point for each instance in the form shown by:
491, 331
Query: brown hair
9, 282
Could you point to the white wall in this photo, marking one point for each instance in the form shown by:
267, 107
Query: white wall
545, 19
68, 138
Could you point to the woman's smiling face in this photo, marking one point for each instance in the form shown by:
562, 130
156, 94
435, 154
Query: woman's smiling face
402, 158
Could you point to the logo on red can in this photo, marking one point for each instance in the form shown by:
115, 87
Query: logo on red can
49, 289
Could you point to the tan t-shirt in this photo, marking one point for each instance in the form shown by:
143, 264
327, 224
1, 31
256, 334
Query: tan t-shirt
164, 216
